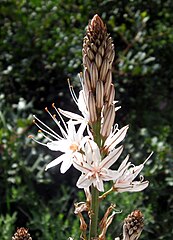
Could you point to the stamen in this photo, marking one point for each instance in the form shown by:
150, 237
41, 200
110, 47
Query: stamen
80, 75
148, 157
73, 147
141, 178
72, 92
32, 137
56, 136
58, 124
40, 131
57, 110
46, 127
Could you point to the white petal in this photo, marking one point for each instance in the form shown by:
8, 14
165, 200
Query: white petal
92, 152
71, 131
112, 157
61, 145
71, 115
99, 185
81, 165
136, 170
117, 138
81, 130
124, 164
96, 158
83, 182
82, 103
141, 186
66, 164
56, 161
111, 175
137, 187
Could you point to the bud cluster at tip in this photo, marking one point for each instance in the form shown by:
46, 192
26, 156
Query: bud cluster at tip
133, 225
98, 55
22, 234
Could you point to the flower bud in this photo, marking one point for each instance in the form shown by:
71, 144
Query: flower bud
21, 234
133, 225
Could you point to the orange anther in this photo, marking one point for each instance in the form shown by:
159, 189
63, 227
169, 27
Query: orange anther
30, 136
53, 105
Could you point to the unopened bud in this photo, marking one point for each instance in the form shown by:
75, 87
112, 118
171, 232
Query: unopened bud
108, 81
21, 234
99, 94
133, 225
111, 95
104, 69
108, 121
92, 107
87, 81
93, 75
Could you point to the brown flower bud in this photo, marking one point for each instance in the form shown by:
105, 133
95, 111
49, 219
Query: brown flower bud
98, 53
21, 234
133, 225
108, 121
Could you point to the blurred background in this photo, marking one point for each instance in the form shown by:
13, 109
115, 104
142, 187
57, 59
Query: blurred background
40, 45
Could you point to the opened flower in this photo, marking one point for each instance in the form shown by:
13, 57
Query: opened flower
82, 104
94, 169
128, 172
69, 143
115, 137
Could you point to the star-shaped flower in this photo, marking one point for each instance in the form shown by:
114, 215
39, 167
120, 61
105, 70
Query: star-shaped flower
69, 143
94, 169
128, 172
115, 137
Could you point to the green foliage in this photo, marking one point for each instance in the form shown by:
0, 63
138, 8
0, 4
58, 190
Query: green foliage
7, 226
40, 48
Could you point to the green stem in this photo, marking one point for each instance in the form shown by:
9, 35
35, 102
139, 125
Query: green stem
94, 213
93, 229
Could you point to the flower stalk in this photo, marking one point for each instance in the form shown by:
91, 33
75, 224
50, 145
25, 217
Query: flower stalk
98, 52
93, 231
94, 146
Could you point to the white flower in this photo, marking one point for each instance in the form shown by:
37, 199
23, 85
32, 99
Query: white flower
94, 170
115, 137
81, 102
128, 172
69, 143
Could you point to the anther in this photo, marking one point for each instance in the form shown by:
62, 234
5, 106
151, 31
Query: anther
30, 136
46, 109
68, 80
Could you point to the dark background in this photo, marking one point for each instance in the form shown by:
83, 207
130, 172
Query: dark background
40, 45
